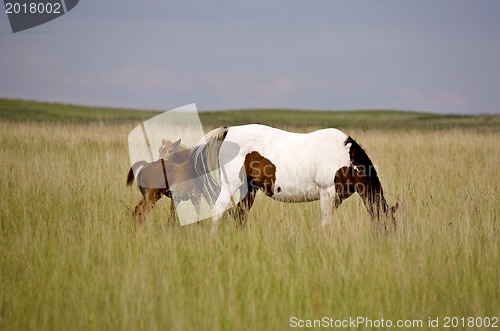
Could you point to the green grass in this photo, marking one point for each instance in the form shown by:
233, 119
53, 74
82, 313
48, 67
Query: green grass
360, 119
25, 110
21, 110
71, 260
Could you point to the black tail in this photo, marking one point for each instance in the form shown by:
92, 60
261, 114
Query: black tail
133, 169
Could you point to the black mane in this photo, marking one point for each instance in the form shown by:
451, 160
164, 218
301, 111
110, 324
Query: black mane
368, 174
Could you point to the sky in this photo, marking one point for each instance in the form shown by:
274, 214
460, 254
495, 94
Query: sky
433, 56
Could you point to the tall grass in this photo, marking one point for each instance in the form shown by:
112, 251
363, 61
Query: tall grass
70, 258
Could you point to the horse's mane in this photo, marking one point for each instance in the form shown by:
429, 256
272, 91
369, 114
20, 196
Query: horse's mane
368, 173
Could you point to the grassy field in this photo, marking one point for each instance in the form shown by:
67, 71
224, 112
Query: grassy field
71, 260
304, 120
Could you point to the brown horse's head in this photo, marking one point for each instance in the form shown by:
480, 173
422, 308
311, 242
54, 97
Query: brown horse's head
168, 148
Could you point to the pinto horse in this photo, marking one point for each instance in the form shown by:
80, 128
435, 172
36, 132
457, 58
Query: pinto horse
326, 165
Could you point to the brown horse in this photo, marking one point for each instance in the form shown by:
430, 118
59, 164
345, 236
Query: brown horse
152, 178
174, 150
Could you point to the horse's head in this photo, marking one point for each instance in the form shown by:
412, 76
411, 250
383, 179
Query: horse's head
387, 219
390, 213
383, 216
168, 148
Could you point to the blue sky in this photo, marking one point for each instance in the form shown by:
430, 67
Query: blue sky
436, 56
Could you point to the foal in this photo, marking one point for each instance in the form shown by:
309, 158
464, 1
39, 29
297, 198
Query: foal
182, 183
152, 178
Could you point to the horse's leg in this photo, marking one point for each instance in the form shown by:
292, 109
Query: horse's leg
241, 212
138, 213
173, 212
196, 201
142, 210
328, 201
230, 183
222, 204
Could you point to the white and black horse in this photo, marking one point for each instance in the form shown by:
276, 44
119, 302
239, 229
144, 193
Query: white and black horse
325, 165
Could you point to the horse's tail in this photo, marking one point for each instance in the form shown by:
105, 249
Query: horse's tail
204, 159
134, 168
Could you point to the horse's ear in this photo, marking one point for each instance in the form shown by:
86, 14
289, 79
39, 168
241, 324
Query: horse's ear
177, 142
395, 207
163, 142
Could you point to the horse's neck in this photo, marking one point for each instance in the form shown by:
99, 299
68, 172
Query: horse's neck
181, 156
373, 198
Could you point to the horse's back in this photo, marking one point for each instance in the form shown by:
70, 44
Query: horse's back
304, 162
320, 144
